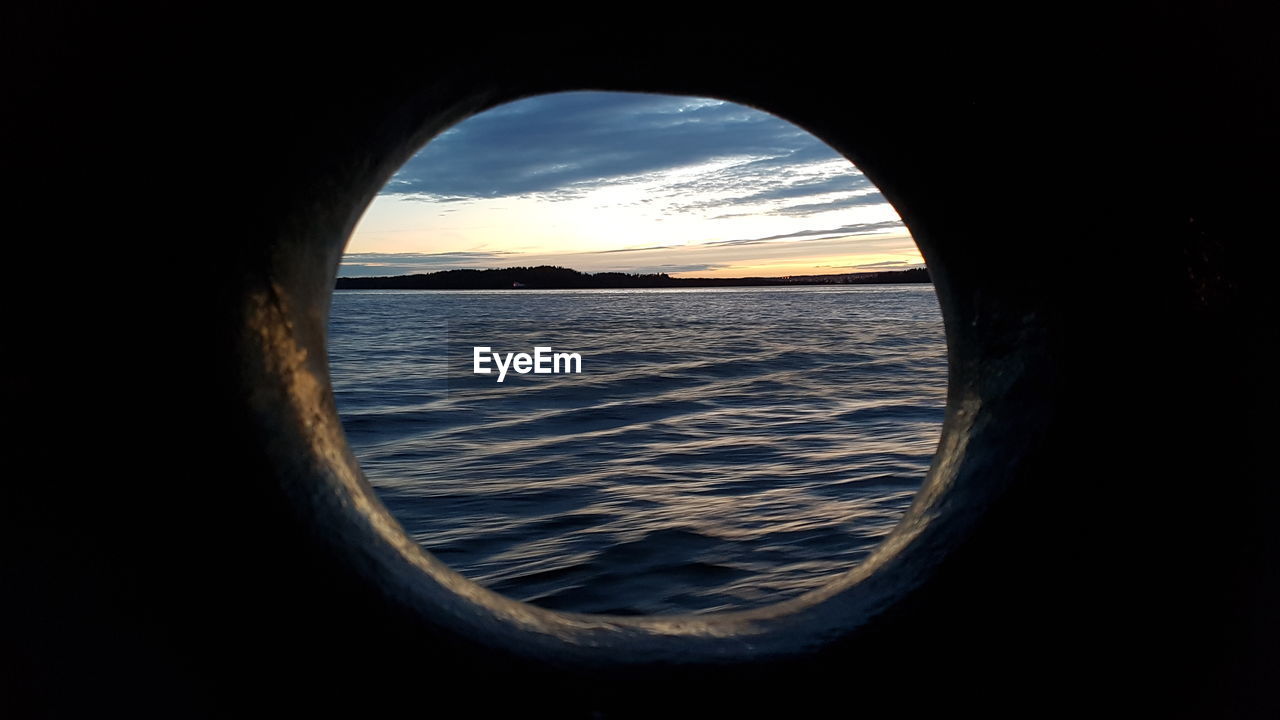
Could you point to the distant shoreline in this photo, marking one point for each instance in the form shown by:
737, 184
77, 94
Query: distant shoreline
546, 277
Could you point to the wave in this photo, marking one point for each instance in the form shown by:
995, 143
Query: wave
721, 449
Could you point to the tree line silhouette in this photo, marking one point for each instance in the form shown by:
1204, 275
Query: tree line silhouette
548, 277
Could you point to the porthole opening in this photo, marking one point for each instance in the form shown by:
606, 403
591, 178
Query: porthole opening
753, 373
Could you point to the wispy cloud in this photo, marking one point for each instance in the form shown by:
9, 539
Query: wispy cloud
627, 182
736, 256
560, 147
844, 231
886, 263
872, 198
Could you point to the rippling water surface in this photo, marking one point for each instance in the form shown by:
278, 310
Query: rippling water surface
722, 448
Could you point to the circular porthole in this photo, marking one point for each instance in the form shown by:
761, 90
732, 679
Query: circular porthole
754, 366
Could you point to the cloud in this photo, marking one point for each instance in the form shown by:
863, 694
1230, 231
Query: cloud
839, 183
739, 257
354, 264
562, 146
442, 258
671, 268
886, 263
377, 264
552, 142
844, 231
626, 250
873, 198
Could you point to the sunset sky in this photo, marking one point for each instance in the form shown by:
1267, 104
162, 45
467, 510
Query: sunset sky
628, 182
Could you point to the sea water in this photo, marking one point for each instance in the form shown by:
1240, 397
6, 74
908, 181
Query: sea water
720, 448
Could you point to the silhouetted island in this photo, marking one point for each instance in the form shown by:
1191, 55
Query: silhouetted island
558, 278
